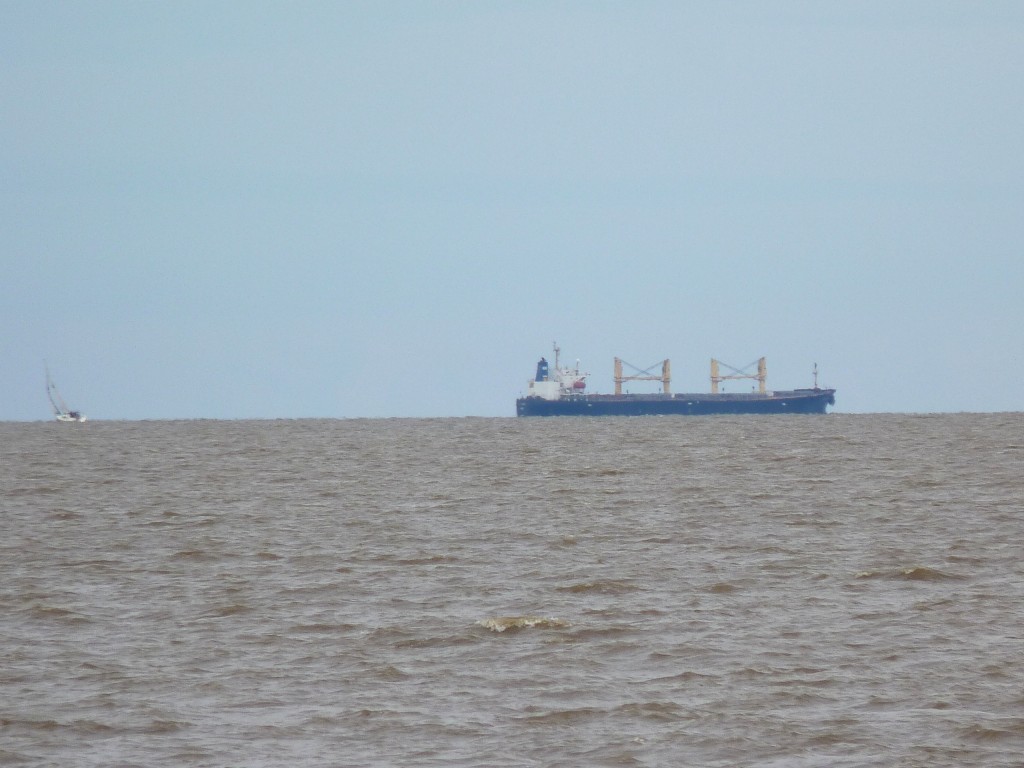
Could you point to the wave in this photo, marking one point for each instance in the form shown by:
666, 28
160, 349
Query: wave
56, 614
426, 560
390, 673
85, 727
322, 628
604, 587
997, 729
920, 573
515, 623
722, 588
913, 573
650, 711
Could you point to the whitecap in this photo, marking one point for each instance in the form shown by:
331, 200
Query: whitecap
502, 623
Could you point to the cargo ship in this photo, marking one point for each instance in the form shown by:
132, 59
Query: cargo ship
561, 391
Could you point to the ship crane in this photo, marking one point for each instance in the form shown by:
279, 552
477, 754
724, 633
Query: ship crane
643, 374
740, 373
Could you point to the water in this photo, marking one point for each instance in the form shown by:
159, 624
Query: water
760, 591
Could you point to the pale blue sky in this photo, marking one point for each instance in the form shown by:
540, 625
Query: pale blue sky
278, 209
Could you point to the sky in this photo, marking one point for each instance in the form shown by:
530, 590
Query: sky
255, 209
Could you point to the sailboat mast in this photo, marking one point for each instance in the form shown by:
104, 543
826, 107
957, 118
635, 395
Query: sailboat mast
59, 406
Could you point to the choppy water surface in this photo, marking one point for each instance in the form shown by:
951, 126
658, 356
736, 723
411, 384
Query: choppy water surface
759, 591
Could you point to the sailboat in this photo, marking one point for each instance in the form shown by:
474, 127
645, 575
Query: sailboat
60, 408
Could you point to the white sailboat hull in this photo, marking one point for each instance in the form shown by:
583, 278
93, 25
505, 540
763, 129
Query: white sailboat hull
69, 417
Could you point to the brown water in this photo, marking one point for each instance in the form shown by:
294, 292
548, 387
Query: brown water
757, 591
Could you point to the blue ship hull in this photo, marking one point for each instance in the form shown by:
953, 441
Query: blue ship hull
792, 401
